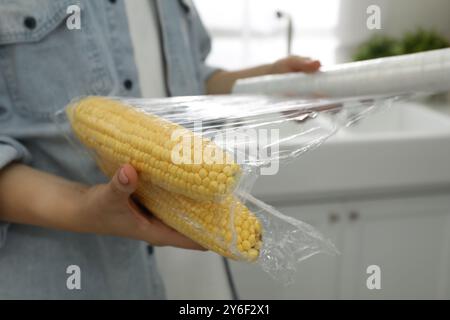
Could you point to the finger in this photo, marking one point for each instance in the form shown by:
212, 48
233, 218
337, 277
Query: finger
120, 188
158, 230
307, 66
300, 64
151, 228
122, 185
139, 212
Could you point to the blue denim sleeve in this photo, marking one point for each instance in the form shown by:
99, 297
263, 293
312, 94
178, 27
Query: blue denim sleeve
10, 151
205, 46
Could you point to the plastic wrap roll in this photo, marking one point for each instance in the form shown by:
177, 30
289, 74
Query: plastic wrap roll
420, 72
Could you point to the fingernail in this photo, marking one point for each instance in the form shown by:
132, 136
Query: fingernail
123, 177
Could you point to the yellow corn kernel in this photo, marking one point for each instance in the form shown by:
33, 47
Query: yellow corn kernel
253, 254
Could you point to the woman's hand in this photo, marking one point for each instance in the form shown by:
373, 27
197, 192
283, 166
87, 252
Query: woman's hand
222, 82
106, 209
295, 64
110, 209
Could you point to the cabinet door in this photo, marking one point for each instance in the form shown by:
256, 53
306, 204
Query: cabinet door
316, 277
189, 274
407, 238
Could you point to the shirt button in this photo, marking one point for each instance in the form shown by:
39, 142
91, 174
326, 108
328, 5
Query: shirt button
186, 5
128, 84
30, 22
150, 250
2, 111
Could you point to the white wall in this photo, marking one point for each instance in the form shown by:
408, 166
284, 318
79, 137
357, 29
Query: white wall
246, 32
397, 16
407, 14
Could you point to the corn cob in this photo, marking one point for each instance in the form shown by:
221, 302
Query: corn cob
122, 134
228, 227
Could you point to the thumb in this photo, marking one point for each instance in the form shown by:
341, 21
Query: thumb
123, 183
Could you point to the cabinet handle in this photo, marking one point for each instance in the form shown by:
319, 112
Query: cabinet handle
353, 215
333, 218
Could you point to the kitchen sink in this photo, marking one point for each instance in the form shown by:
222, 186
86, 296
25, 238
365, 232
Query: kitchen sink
401, 119
402, 147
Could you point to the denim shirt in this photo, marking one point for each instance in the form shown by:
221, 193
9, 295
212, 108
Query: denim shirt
43, 65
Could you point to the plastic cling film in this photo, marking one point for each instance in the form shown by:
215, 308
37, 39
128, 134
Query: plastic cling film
257, 130
287, 241
420, 72
208, 147
198, 157
240, 228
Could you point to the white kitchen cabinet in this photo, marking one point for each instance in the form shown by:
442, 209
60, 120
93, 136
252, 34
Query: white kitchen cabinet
316, 278
192, 275
407, 237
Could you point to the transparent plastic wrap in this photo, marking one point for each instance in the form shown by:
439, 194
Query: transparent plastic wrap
419, 72
198, 158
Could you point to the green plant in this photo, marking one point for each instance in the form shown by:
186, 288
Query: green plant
423, 40
380, 46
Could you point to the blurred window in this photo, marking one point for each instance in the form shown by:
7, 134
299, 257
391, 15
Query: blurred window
248, 32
